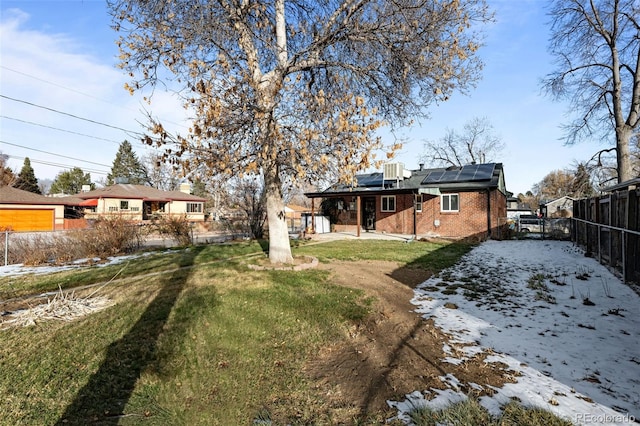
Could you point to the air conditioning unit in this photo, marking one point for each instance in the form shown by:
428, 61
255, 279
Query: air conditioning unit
392, 171
395, 171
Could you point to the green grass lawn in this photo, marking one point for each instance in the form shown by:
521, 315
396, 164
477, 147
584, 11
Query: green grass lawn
194, 337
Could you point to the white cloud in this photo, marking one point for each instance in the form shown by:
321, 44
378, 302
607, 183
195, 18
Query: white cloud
54, 70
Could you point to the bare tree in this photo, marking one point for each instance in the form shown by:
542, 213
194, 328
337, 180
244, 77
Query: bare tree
7, 176
597, 50
247, 194
160, 174
477, 143
292, 89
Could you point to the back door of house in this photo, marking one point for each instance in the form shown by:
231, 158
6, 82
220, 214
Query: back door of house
369, 213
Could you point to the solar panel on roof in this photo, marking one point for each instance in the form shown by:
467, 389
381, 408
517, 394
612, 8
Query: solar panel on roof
370, 180
450, 176
485, 171
468, 173
433, 177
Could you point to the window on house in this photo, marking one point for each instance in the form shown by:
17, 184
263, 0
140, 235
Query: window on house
135, 209
419, 203
124, 205
449, 203
113, 209
194, 207
388, 203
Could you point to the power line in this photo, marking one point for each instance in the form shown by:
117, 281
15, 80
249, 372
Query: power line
79, 92
57, 155
64, 166
52, 83
61, 130
130, 132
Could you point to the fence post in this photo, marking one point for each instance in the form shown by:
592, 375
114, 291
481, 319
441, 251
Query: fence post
6, 248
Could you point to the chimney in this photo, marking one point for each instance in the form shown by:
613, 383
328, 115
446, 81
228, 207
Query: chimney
185, 187
421, 166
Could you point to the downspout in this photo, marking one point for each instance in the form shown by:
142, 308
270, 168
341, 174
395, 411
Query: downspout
488, 213
358, 216
415, 216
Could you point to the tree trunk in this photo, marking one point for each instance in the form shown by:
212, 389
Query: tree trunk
279, 247
623, 139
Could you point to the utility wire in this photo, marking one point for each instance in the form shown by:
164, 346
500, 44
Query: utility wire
57, 155
64, 166
52, 83
61, 130
71, 115
79, 92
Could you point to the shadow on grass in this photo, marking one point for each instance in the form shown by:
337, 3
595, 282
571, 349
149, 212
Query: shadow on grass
264, 244
103, 398
418, 271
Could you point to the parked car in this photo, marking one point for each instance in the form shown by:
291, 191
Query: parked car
530, 223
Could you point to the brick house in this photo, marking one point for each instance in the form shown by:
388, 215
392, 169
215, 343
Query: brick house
454, 202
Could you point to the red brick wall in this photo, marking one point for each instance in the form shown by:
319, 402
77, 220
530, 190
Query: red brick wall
398, 222
469, 221
75, 224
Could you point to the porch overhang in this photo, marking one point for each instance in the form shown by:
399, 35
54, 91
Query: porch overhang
429, 191
92, 202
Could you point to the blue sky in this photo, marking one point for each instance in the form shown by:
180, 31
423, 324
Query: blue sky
61, 55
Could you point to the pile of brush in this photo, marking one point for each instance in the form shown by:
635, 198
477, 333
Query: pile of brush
62, 307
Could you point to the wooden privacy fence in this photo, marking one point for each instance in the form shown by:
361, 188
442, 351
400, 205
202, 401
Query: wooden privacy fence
606, 227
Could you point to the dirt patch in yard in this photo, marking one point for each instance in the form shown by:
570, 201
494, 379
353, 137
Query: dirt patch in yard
395, 352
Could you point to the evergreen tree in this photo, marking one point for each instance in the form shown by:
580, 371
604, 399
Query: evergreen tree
127, 168
70, 182
27, 180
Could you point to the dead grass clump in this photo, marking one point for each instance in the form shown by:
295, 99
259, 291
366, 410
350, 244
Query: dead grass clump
63, 307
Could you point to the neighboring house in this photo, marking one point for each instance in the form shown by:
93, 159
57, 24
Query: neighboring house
560, 207
24, 211
454, 202
139, 202
515, 208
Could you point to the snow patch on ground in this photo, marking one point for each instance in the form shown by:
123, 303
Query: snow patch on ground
564, 324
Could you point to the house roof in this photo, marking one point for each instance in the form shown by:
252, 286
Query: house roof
557, 200
11, 195
471, 177
146, 193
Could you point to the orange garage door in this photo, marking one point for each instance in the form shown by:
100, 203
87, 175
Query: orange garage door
27, 219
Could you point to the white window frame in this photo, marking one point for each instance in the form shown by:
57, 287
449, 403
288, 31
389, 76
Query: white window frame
194, 207
124, 204
419, 201
448, 197
385, 200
